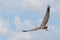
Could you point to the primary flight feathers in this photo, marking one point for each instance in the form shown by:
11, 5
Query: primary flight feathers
44, 22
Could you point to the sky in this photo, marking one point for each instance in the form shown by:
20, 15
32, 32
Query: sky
16, 15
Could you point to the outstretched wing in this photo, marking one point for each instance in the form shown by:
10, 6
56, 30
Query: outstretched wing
46, 17
35, 29
44, 22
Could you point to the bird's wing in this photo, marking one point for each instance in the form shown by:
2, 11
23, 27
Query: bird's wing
35, 29
46, 17
44, 22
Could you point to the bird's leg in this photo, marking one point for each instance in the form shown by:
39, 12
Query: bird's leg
46, 29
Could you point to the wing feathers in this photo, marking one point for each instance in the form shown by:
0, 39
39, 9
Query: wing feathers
44, 22
46, 17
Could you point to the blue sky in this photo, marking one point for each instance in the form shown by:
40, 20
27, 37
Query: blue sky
16, 15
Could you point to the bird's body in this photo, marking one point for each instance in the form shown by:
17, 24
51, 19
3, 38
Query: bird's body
44, 22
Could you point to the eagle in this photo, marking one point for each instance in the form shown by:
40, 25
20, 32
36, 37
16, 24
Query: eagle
44, 22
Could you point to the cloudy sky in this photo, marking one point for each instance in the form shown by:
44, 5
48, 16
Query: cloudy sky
16, 15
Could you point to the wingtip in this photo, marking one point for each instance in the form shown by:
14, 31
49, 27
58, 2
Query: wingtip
24, 31
48, 6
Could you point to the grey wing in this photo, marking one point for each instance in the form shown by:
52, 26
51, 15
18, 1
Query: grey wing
35, 29
46, 17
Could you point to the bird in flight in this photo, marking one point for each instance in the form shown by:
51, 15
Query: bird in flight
44, 22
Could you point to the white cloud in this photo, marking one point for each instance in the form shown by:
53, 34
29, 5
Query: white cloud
20, 36
55, 30
14, 6
27, 23
22, 25
4, 26
6, 31
17, 22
